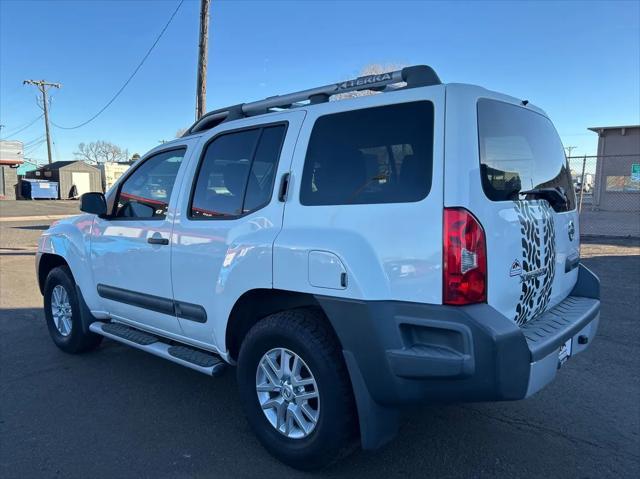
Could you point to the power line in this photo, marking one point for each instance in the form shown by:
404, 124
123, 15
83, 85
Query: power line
55, 150
11, 93
35, 144
30, 142
23, 128
8, 99
128, 79
34, 147
33, 150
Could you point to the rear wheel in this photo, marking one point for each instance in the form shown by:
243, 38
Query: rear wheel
62, 312
295, 389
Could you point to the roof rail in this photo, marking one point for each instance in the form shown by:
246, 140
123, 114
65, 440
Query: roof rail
415, 76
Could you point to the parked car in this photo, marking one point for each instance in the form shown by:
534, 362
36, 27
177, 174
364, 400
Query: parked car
588, 185
348, 257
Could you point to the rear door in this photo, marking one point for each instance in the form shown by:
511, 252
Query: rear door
532, 238
364, 214
228, 219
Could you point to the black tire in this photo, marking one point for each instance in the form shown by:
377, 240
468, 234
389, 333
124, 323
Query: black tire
77, 341
304, 332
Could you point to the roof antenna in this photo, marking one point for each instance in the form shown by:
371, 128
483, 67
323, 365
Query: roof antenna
525, 102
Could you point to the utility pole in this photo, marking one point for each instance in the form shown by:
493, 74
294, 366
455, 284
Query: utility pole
584, 164
201, 92
43, 86
570, 149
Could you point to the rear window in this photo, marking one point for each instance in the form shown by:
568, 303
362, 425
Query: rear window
372, 155
519, 151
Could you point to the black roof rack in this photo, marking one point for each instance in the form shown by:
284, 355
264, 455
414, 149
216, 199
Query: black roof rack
415, 76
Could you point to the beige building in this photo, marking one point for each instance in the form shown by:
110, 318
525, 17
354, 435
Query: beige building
111, 172
617, 182
11, 153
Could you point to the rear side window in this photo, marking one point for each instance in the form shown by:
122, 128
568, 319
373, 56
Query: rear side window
237, 172
372, 155
519, 151
263, 170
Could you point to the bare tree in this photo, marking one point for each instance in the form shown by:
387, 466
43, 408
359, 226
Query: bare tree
181, 132
371, 69
101, 152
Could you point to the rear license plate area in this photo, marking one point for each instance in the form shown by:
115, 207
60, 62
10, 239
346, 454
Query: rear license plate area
565, 352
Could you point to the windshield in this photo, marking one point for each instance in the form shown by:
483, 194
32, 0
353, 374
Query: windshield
519, 151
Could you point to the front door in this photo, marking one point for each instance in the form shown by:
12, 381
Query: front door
230, 214
130, 250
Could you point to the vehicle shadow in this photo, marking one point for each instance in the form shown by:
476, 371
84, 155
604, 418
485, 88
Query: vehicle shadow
141, 415
31, 227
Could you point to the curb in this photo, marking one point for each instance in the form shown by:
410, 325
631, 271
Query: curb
33, 218
610, 237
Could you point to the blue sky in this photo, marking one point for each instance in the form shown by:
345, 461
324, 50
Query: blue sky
580, 61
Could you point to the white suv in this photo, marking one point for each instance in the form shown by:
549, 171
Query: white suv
349, 257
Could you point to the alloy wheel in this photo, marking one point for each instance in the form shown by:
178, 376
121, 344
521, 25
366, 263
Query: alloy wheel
288, 393
61, 310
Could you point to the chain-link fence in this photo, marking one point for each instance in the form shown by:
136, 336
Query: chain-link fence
608, 194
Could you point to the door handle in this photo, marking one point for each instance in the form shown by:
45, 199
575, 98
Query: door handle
284, 188
157, 239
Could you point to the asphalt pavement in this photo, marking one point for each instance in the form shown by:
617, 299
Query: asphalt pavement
26, 208
120, 413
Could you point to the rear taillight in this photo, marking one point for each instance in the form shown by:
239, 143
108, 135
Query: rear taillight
465, 259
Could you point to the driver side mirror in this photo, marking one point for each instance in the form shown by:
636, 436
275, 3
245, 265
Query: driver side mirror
94, 203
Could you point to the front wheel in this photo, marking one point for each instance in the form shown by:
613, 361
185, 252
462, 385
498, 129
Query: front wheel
295, 389
62, 312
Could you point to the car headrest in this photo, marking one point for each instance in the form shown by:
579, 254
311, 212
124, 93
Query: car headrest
235, 177
338, 176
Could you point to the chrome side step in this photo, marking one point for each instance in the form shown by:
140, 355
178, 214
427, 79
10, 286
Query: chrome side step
196, 359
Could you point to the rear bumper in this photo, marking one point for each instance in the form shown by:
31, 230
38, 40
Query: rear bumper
401, 353
543, 370
575, 318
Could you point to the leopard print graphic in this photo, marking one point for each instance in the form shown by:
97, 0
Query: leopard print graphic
536, 289
549, 240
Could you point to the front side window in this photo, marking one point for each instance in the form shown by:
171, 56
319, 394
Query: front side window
373, 155
519, 151
237, 172
146, 193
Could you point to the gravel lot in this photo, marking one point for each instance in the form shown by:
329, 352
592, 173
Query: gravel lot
118, 412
